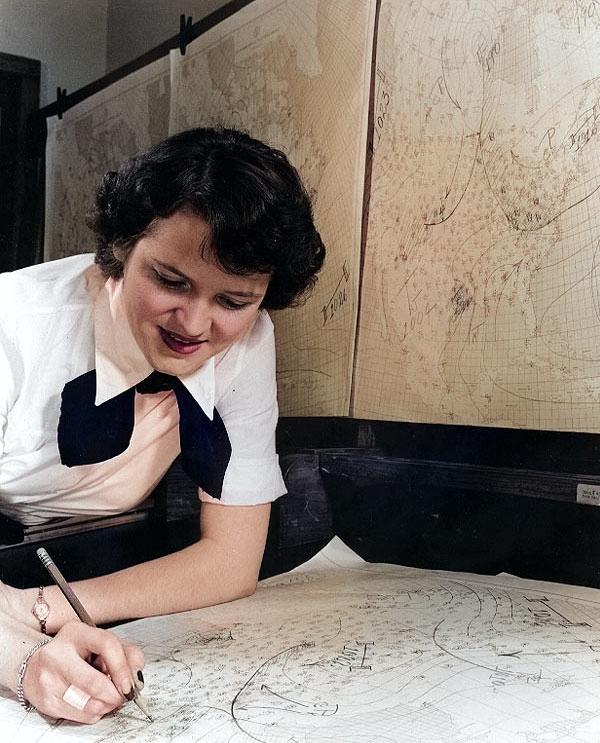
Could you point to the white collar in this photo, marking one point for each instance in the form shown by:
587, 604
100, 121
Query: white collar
120, 363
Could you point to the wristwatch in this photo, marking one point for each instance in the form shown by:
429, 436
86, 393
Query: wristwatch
41, 609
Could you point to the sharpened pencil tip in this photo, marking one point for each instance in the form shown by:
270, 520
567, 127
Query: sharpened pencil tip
142, 706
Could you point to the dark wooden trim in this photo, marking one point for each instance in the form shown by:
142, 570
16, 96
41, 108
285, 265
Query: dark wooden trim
371, 467
67, 100
21, 65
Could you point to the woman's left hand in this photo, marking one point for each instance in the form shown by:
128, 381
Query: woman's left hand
17, 602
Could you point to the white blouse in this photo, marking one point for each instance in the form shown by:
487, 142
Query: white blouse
59, 320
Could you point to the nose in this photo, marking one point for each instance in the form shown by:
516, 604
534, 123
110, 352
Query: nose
194, 318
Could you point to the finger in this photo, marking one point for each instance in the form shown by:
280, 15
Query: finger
136, 660
98, 664
139, 681
112, 657
123, 663
72, 709
94, 682
74, 703
89, 695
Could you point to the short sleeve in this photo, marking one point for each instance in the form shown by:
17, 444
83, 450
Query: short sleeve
246, 398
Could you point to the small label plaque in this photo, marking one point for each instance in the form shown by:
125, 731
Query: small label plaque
589, 495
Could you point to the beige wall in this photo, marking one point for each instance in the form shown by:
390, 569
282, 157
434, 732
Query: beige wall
79, 41
135, 26
68, 37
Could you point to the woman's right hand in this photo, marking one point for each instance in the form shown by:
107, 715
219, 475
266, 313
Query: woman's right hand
61, 682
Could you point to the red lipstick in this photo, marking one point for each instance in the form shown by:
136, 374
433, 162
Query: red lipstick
180, 344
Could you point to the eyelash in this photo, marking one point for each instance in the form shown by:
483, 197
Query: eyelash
233, 306
177, 285
173, 284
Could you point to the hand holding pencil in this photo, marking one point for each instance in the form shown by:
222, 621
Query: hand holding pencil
86, 671
61, 683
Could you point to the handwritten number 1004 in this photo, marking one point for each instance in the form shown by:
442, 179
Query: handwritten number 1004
338, 298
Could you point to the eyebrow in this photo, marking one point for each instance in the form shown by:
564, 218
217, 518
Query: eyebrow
232, 292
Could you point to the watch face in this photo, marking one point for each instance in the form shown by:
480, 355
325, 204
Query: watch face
41, 610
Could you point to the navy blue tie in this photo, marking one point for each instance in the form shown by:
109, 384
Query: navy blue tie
89, 433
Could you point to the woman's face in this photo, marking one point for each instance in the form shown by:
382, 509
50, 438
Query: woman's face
181, 307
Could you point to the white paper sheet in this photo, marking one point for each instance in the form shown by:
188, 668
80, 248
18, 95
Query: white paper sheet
344, 650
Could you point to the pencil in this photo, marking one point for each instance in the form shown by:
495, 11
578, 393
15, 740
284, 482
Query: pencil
79, 609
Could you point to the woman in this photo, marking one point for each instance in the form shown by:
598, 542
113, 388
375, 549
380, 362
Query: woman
197, 238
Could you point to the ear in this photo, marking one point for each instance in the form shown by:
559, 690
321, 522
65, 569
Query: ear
120, 251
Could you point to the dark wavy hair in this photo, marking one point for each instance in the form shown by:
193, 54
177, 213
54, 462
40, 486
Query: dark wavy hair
258, 212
